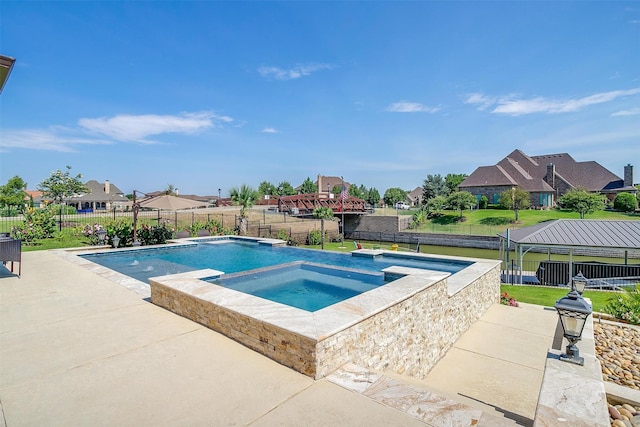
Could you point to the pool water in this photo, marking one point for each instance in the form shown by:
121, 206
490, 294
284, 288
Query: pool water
234, 256
309, 287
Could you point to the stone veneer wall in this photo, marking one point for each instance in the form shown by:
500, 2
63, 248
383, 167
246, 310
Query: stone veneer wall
411, 337
406, 338
292, 350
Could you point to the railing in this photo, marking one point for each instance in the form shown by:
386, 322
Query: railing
556, 273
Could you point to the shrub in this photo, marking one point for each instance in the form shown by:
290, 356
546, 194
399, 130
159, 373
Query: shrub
314, 238
626, 306
483, 203
419, 218
283, 235
150, 235
215, 227
625, 202
37, 224
121, 228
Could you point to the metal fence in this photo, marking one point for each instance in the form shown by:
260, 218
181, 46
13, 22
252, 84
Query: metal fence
557, 273
261, 223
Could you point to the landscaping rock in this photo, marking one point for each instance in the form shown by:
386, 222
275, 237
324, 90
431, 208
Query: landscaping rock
617, 348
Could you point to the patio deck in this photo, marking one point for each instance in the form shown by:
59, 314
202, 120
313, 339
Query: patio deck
77, 349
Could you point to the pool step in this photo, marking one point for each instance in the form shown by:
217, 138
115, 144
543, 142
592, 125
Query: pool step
415, 400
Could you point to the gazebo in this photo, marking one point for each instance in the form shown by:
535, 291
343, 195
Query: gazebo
569, 236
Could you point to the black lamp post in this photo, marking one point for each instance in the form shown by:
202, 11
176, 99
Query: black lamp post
573, 311
579, 282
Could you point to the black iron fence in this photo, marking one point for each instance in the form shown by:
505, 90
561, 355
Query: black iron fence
559, 273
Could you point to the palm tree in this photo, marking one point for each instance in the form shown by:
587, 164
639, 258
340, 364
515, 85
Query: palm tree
245, 197
322, 213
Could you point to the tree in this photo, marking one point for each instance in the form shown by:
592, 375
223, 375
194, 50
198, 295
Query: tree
453, 181
245, 197
171, 189
461, 200
372, 197
13, 194
514, 199
436, 204
355, 191
266, 189
322, 213
394, 195
285, 189
434, 186
582, 201
625, 202
308, 187
61, 185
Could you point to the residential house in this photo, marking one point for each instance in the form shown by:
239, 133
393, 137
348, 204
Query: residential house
325, 184
415, 196
101, 196
545, 178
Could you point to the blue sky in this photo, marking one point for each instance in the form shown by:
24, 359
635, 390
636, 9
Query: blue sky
207, 95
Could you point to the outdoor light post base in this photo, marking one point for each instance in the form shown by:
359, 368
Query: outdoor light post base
572, 355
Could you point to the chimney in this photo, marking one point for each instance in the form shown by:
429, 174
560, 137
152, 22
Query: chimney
628, 176
550, 178
107, 187
319, 184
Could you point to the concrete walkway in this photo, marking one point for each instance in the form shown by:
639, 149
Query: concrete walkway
78, 349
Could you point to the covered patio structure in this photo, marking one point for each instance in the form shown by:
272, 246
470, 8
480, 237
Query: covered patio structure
598, 238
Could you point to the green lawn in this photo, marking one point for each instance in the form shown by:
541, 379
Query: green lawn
546, 296
492, 221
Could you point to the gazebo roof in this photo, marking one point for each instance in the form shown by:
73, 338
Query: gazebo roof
617, 234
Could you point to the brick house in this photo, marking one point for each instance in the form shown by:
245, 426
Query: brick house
101, 196
545, 178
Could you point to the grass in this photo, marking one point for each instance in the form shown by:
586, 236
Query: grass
492, 221
547, 296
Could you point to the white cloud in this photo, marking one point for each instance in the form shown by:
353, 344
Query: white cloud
512, 105
410, 107
631, 112
484, 101
296, 72
125, 128
139, 128
51, 139
269, 130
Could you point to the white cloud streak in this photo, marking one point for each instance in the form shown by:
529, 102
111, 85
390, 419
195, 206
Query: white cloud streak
269, 130
301, 70
410, 107
107, 130
513, 106
51, 139
139, 128
631, 112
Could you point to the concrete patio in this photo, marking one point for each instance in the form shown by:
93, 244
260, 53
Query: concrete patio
78, 349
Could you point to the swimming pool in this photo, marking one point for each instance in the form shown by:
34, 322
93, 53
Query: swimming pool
303, 285
231, 255
404, 326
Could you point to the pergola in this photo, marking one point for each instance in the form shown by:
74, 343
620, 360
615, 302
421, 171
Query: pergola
569, 235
